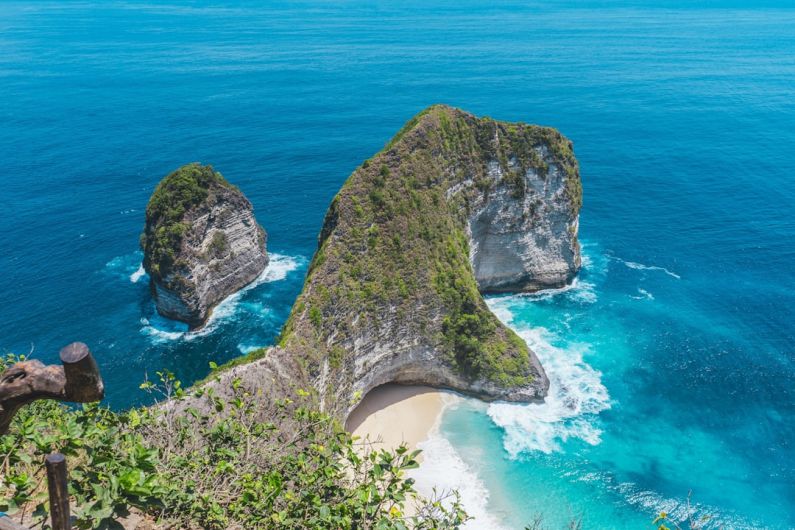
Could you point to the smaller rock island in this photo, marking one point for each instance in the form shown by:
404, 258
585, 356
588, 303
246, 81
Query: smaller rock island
201, 243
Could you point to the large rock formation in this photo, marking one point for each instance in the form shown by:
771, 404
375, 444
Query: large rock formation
452, 206
201, 243
523, 233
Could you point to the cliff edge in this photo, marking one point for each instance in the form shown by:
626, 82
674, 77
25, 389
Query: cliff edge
453, 206
201, 243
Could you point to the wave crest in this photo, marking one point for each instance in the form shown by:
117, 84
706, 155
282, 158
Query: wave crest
278, 268
576, 396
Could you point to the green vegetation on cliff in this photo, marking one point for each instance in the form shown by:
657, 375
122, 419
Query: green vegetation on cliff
224, 466
394, 245
392, 272
177, 193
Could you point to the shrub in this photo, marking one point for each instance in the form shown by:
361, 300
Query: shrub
315, 316
224, 466
218, 244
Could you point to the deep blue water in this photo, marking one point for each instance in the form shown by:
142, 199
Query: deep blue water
673, 357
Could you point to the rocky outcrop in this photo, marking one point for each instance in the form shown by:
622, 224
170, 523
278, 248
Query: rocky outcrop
454, 205
527, 240
201, 243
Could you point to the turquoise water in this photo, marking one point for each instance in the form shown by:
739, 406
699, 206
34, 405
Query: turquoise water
649, 401
671, 359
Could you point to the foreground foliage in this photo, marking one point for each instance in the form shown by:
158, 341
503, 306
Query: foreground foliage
223, 467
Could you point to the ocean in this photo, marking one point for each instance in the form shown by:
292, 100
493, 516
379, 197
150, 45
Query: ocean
671, 358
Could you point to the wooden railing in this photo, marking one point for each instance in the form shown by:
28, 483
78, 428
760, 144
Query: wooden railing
77, 380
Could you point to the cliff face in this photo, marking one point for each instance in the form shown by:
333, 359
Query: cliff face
525, 238
201, 243
453, 205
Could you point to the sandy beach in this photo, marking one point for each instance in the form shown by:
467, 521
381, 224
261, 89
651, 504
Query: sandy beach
393, 414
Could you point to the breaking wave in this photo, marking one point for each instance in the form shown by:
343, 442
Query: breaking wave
138, 274
443, 470
576, 395
154, 329
162, 330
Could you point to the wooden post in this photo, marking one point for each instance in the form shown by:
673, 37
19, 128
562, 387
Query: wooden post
83, 383
59, 492
78, 380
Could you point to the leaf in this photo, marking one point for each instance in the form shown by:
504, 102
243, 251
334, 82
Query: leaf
132, 478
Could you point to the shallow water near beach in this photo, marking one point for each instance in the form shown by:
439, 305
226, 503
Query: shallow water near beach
640, 411
671, 358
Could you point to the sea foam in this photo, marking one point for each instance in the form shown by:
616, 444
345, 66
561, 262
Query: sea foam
128, 266
443, 471
643, 294
158, 335
576, 395
641, 267
580, 291
679, 509
138, 274
278, 268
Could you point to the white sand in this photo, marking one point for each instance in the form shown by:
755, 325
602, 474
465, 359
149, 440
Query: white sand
393, 414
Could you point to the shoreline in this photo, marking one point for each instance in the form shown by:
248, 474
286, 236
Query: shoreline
392, 414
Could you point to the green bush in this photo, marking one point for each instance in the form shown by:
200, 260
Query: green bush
315, 316
218, 245
222, 465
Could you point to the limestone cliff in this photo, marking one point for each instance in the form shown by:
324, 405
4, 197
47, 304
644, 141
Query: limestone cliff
201, 243
452, 206
523, 233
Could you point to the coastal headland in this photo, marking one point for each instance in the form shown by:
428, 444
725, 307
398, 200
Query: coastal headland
452, 207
